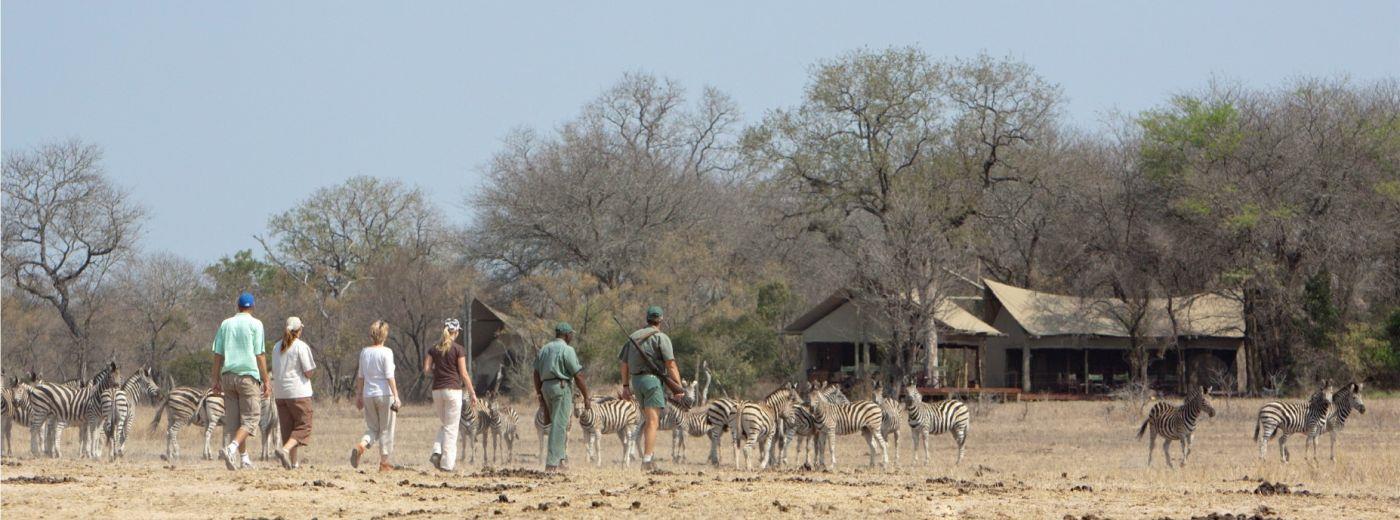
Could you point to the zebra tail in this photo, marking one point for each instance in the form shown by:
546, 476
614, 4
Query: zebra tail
155, 421
1143, 428
1257, 423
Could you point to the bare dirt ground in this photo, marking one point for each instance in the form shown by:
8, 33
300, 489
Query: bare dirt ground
1039, 460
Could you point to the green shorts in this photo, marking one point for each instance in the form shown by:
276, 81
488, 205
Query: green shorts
648, 390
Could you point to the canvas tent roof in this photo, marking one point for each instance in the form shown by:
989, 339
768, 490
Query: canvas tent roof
1046, 314
949, 314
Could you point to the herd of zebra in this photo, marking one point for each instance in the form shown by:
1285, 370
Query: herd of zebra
811, 417
1327, 411
810, 414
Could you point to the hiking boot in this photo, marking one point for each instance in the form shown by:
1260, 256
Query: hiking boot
385, 466
230, 456
284, 457
436, 460
648, 466
355, 456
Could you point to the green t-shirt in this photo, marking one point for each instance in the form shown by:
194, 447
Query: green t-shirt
658, 346
240, 341
557, 360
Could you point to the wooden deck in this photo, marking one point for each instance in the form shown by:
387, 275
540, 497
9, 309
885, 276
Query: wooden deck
1006, 394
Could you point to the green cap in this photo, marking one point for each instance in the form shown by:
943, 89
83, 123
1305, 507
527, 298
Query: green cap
563, 328
653, 312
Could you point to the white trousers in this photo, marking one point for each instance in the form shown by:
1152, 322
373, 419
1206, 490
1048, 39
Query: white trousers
447, 404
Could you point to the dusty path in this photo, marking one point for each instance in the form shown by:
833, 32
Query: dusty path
1041, 461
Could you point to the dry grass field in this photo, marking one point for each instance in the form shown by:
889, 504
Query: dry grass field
1039, 460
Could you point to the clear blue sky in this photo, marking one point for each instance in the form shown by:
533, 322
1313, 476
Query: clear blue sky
218, 114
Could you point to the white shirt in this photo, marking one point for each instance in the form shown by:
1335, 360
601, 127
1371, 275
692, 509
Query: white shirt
289, 370
377, 368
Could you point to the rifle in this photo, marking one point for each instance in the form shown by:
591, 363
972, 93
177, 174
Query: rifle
675, 387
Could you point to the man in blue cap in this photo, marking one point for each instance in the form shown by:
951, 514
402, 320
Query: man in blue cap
240, 375
557, 370
646, 353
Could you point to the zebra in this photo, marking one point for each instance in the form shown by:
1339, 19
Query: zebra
865, 417
65, 403
611, 416
757, 423
1343, 402
16, 403
831, 393
498, 422
1284, 419
801, 426
673, 418
780, 403
719, 414
466, 431
1176, 423
925, 420
115, 408
137, 388
892, 416
185, 406
269, 428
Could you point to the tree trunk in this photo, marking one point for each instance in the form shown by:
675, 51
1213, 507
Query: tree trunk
1026, 367
931, 372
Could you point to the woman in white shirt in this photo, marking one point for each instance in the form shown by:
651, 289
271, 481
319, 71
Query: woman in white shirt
291, 387
377, 394
291, 366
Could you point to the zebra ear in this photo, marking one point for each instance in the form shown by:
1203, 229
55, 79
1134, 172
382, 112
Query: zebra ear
1356, 388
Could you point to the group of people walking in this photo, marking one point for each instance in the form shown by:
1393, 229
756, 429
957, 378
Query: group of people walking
241, 375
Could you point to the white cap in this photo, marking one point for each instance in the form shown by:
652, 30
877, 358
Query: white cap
293, 323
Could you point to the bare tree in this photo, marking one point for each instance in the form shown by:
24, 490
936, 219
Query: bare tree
160, 291
65, 226
636, 165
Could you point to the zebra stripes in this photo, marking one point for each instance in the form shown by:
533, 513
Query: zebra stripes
927, 419
893, 417
864, 417
1176, 423
115, 408
466, 431
64, 404
498, 422
756, 424
1343, 402
269, 428
611, 416
1285, 419
719, 414
184, 406
16, 407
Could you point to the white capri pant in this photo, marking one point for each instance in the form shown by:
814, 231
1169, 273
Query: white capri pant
379, 423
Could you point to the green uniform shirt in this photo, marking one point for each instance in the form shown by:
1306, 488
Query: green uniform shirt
658, 346
240, 341
557, 360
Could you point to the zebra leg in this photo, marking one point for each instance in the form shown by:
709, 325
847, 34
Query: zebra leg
884, 450
714, 435
1166, 451
1283, 446
56, 438
1333, 435
1186, 448
36, 434
1263, 436
893, 440
1151, 446
959, 435
208, 433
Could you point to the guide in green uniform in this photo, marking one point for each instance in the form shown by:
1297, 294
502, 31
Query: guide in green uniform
557, 370
638, 379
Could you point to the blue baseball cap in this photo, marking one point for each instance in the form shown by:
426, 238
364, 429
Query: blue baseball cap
245, 300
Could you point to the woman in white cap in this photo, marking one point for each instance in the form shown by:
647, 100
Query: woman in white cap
446, 363
291, 387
